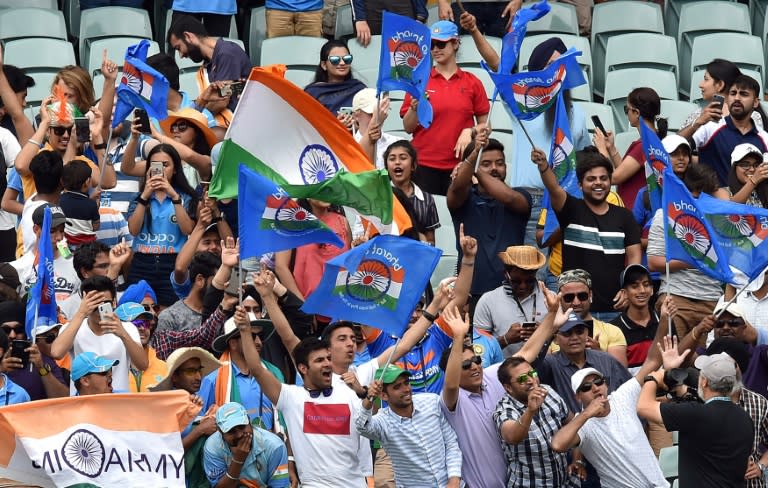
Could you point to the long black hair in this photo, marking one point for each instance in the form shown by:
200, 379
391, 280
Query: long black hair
178, 181
648, 103
321, 75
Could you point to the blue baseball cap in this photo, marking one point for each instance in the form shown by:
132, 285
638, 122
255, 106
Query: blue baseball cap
130, 310
231, 415
444, 30
573, 321
137, 293
88, 362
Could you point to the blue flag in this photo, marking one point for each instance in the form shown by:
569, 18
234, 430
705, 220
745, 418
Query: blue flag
531, 93
656, 161
406, 62
140, 86
562, 158
41, 300
688, 236
270, 220
378, 283
510, 44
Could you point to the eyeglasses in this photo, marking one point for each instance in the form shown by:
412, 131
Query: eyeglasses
528, 282
748, 165
335, 60
467, 363
732, 323
587, 385
578, 330
439, 44
48, 338
190, 371
150, 307
142, 324
59, 131
582, 296
326, 392
628, 109
523, 378
179, 126
8, 329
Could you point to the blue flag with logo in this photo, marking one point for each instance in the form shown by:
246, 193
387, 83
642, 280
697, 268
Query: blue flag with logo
270, 220
656, 161
140, 86
512, 40
406, 62
562, 159
530, 93
377, 283
41, 300
688, 235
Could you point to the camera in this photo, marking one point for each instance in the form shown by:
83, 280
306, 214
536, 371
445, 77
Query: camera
683, 384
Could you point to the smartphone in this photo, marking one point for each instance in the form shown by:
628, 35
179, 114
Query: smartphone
155, 168
598, 125
105, 311
345, 110
234, 88
718, 99
233, 288
18, 350
83, 129
529, 325
144, 126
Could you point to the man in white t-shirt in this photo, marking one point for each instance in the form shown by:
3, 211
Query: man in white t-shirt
91, 330
65, 277
10, 149
363, 108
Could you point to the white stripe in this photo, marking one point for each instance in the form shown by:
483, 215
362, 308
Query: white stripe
269, 213
593, 247
595, 230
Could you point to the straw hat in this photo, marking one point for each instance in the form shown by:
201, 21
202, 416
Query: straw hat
194, 117
179, 357
523, 257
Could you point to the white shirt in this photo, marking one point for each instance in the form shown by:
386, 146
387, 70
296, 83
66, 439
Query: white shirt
11, 149
381, 146
109, 346
66, 281
755, 309
27, 231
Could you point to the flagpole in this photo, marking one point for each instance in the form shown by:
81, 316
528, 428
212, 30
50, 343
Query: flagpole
669, 317
389, 359
239, 281
490, 111
733, 299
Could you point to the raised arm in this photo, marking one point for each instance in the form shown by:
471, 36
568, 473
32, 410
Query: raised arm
568, 436
66, 338
489, 55
264, 282
546, 329
23, 126
32, 145
458, 191
557, 195
509, 197
268, 382
453, 368
107, 101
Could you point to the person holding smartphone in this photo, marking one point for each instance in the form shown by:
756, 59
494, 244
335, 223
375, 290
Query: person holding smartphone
10, 392
334, 85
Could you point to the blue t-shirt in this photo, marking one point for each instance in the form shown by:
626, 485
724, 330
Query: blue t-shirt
266, 463
160, 234
14, 182
11, 393
644, 217
491, 350
221, 7
295, 5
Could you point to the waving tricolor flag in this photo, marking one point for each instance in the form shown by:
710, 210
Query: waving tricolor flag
140, 86
656, 161
41, 301
510, 44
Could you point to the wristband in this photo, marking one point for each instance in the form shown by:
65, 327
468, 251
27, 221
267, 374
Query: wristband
38, 144
581, 463
693, 334
751, 180
226, 473
103, 145
237, 462
291, 459
429, 316
542, 171
364, 394
177, 201
506, 342
142, 201
216, 220
650, 378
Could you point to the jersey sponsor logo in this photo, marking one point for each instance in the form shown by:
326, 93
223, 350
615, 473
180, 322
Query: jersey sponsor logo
327, 419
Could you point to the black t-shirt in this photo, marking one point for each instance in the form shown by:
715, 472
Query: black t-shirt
639, 338
597, 243
715, 442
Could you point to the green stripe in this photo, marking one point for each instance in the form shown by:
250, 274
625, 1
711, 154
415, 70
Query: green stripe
580, 236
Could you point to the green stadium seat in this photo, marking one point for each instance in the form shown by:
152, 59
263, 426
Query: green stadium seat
116, 47
300, 77
188, 84
668, 461
445, 239
601, 110
672, 10
619, 83
393, 122
293, 51
742, 49
39, 54
620, 17
42, 89
658, 52
47, 4
185, 64
676, 111
469, 56
365, 66
622, 141
257, 32
20, 23
98, 23
561, 19
400, 133
578, 42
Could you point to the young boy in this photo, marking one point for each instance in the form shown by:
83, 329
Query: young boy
82, 212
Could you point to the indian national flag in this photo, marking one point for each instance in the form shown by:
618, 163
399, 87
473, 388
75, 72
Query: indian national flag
372, 281
101, 440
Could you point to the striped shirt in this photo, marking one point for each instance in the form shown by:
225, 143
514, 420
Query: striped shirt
532, 462
757, 407
423, 447
113, 228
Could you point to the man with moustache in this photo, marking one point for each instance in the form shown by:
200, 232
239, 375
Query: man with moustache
716, 140
597, 236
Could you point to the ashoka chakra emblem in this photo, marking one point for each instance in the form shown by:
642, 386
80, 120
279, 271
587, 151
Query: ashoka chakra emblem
84, 453
317, 164
370, 281
293, 217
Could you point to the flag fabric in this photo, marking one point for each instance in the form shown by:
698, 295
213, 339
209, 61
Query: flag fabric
369, 192
406, 62
377, 283
140, 86
276, 221
562, 159
97, 440
292, 133
689, 237
41, 300
531, 93
512, 40
656, 161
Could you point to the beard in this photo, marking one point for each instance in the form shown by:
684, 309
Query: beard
194, 53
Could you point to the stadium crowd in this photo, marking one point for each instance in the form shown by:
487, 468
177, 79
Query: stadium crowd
555, 359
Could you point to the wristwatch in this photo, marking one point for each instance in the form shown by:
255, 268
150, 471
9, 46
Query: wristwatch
43, 371
364, 394
650, 378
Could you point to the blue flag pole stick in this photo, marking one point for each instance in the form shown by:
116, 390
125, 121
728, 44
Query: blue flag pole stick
669, 317
490, 111
733, 299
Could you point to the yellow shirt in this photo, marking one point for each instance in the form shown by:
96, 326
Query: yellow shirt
556, 251
608, 336
140, 381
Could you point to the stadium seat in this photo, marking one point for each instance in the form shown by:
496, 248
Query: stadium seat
19, 23
257, 32
583, 92
601, 110
742, 49
345, 27
672, 14
676, 483
42, 89
469, 56
39, 54
620, 17
675, 437
757, 10
676, 112
400, 133
365, 66
706, 19
445, 239
622, 140
47, 4
188, 83
116, 47
185, 64
485, 78
292, 51
618, 84
72, 16
668, 461
698, 75
300, 77
97, 23
500, 118
393, 122
580, 43
561, 19
658, 52
433, 15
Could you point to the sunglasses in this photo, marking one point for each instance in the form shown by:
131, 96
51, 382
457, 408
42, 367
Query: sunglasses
527, 281
48, 338
628, 109
59, 131
150, 308
578, 330
142, 324
439, 44
582, 296
523, 378
190, 371
587, 385
326, 392
467, 363
335, 60
12, 328
732, 323
179, 126
748, 165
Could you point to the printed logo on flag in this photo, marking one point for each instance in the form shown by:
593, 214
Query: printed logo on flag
691, 232
407, 50
317, 164
376, 282
532, 96
745, 231
84, 453
655, 179
561, 153
286, 217
137, 81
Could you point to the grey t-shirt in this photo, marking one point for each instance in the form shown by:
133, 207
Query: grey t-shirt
496, 312
179, 317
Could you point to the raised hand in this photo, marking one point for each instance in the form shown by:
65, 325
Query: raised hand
108, 69
468, 243
670, 356
230, 251
458, 326
536, 398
